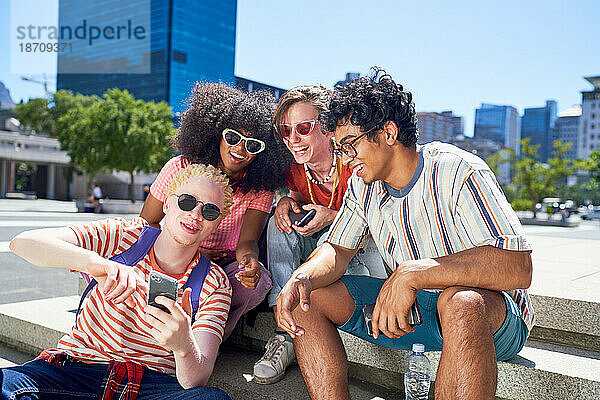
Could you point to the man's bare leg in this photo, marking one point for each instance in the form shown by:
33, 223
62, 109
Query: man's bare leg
320, 352
469, 318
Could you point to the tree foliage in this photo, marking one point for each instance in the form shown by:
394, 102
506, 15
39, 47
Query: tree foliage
116, 132
531, 179
35, 115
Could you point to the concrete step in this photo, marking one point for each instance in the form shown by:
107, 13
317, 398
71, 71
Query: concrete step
569, 322
540, 371
233, 374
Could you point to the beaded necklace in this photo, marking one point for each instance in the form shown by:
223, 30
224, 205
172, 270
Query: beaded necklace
337, 168
327, 178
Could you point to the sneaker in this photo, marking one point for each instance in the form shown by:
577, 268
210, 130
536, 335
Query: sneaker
271, 367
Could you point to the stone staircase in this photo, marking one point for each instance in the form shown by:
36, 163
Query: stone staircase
560, 361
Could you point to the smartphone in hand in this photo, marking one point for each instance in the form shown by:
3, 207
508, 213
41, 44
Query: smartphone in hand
302, 218
161, 285
413, 318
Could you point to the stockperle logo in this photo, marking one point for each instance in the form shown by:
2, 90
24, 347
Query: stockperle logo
95, 36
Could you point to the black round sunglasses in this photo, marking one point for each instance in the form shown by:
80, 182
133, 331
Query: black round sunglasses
187, 202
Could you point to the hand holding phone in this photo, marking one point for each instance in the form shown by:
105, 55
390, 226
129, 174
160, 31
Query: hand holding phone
161, 285
413, 318
307, 218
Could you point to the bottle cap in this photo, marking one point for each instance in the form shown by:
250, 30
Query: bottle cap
418, 347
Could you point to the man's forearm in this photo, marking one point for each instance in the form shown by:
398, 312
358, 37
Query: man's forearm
53, 248
485, 267
326, 264
194, 366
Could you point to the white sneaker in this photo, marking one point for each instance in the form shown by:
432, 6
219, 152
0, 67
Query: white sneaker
271, 367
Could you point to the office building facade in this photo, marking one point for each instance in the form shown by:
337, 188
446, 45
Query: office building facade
500, 124
458, 124
566, 129
188, 41
537, 124
434, 126
589, 123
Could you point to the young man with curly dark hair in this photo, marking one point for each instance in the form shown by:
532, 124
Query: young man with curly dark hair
231, 130
441, 221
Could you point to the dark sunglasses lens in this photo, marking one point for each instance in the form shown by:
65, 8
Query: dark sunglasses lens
285, 130
186, 202
232, 138
304, 128
210, 212
252, 146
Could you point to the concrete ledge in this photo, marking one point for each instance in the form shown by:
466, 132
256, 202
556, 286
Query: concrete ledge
113, 206
540, 371
542, 222
574, 323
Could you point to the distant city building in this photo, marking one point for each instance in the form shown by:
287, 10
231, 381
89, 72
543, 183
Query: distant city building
566, 129
250, 86
537, 124
350, 76
484, 148
434, 126
6, 102
589, 123
190, 41
500, 124
457, 122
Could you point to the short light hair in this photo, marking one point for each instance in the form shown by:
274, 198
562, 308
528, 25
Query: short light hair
317, 96
208, 172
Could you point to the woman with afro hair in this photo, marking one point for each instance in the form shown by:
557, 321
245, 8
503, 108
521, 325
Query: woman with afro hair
231, 130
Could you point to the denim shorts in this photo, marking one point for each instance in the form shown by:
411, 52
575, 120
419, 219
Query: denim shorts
508, 340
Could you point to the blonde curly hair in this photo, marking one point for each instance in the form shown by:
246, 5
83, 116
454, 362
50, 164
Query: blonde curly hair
209, 172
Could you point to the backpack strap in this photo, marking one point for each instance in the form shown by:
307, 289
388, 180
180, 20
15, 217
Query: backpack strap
130, 257
196, 281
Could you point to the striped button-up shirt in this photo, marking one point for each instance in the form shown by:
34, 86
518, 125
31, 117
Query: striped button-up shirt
452, 203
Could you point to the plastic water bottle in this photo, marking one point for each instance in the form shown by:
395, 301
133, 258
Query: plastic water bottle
416, 374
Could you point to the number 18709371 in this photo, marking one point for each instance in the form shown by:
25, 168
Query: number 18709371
42, 47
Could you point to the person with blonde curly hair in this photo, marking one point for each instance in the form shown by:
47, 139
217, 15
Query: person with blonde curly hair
120, 345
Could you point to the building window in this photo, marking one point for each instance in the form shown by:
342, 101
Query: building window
593, 115
592, 126
180, 57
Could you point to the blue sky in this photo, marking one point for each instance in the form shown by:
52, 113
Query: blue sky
451, 55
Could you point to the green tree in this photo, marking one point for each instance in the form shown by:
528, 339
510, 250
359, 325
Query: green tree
34, 115
531, 179
119, 133
42, 116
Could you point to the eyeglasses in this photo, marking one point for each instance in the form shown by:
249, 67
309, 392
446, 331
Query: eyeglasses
233, 138
303, 128
346, 148
187, 202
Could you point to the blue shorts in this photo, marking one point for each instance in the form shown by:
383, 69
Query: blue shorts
508, 341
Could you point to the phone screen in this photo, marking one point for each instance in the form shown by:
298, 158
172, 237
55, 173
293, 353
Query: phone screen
161, 285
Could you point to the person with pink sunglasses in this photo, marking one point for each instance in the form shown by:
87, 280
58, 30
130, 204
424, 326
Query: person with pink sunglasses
317, 181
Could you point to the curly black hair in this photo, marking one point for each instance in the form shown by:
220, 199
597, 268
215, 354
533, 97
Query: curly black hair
371, 102
216, 106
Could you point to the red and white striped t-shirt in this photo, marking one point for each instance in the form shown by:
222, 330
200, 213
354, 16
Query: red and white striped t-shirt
107, 331
228, 232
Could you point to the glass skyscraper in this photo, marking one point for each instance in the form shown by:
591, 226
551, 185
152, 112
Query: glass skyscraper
537, 124
189, 41
499, 124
